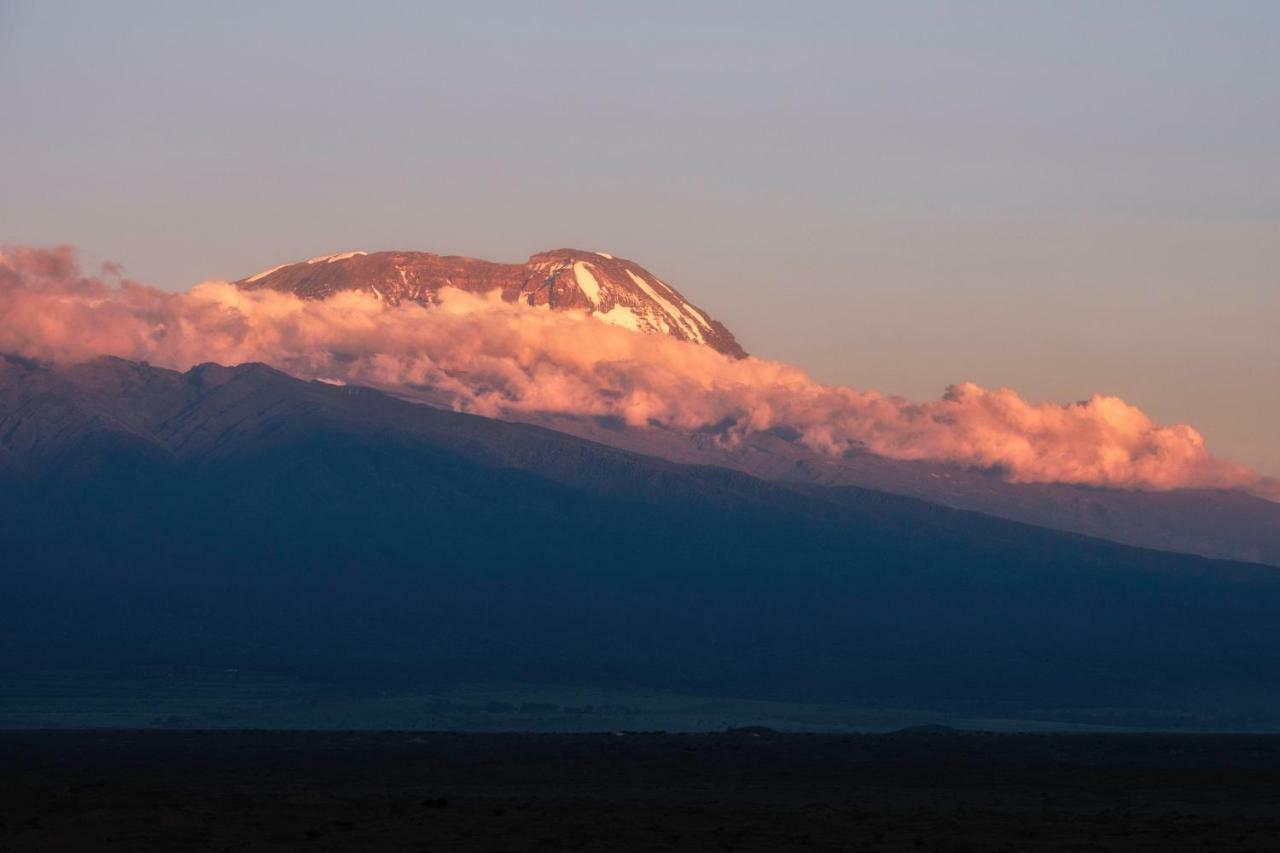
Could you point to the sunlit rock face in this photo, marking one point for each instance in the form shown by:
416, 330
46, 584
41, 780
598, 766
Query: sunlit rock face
617, 291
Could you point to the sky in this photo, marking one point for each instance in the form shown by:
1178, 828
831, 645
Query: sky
1059, 198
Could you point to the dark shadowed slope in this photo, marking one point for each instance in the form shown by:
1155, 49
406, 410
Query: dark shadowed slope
1222, 524
237, 516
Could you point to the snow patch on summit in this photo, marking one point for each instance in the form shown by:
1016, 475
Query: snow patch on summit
620, 315
698, 315
328, 259
262, 274
681, 319
587, 282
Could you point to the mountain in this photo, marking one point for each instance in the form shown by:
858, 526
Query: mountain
236, 517
1219, 524
1222, 524
614, 290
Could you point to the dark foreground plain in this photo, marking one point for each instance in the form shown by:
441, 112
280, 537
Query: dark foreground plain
925, 790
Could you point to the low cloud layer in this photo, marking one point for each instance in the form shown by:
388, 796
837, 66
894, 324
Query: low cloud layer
482, 355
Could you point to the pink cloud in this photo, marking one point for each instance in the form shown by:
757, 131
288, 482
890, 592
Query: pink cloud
483, 355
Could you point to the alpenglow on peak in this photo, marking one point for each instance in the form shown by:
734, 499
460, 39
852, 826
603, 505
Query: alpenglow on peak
614, 290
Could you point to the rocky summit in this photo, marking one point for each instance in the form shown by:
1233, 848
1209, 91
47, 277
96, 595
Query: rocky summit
614, 290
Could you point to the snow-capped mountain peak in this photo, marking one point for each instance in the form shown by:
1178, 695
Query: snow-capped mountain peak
611, 289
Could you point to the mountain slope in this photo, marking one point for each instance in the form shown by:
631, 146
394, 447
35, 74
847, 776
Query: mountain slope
1220, 524
614, 290
236, 516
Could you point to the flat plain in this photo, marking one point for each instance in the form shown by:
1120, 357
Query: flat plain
928, 789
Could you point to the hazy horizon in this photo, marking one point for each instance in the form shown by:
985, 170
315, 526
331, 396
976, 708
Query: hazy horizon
895, 197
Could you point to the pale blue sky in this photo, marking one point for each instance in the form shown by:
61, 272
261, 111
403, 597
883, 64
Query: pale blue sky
1057, 196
